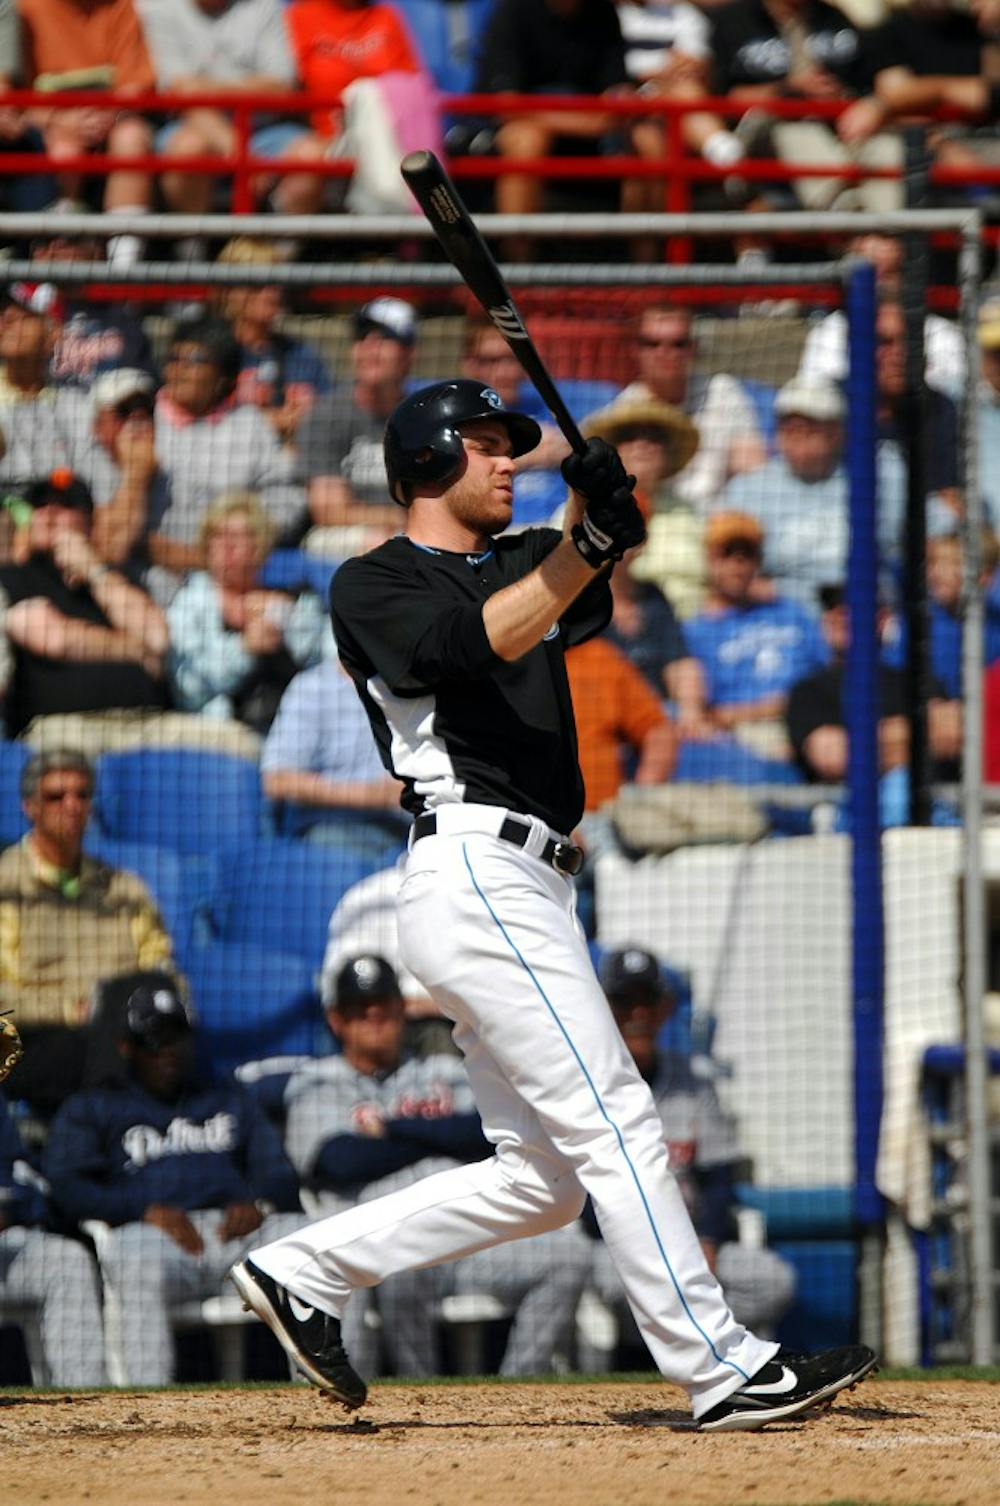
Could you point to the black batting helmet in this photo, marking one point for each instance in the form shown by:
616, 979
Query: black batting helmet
422, 439
364, 977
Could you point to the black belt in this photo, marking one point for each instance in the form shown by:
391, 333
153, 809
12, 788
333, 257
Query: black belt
565, 857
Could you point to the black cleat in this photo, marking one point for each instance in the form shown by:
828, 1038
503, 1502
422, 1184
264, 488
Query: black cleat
787, 1385
309, 1337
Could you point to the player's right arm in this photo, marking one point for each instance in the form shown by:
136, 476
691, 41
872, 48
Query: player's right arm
602, 521
520, 615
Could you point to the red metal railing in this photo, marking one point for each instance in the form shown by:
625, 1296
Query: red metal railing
676, 168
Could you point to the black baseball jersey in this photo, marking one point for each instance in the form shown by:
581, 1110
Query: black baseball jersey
453, 720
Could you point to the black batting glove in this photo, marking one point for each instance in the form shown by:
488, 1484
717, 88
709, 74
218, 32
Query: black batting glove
612, 522
617, 527
598, 473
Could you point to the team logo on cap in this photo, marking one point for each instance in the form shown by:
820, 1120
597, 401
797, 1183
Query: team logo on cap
366, 971
634, 961
493, 398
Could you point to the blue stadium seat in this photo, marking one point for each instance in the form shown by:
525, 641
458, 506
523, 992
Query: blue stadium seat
180, 885
762, 396
824, 1313
251, 1002
281, 893
729, 760
184, 798
447, 34
13, 821
294, 570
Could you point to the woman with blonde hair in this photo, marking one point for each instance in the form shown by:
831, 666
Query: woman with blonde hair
278, 374
234, 646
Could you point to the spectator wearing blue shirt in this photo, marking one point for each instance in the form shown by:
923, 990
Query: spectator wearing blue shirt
278, 374
188, 1175
752, 647
800, 495
319, 758
54, 1275
944, 588
92, 338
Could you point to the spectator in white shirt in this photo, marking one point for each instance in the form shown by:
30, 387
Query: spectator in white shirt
824, 356
720, 406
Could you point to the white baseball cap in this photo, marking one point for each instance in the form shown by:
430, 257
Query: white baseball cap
115, 386
389, 316
816, 399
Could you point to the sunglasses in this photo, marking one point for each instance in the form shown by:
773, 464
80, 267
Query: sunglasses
650, 342
190, 358
831, 597
742, 547
132, 405
56, 797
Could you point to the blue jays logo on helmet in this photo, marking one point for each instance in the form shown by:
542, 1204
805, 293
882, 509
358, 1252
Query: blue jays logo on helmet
423, 438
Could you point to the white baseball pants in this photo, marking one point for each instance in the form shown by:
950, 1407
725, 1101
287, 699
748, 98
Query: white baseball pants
491, 932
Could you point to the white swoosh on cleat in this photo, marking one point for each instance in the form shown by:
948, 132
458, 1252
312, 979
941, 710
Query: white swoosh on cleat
788, 1382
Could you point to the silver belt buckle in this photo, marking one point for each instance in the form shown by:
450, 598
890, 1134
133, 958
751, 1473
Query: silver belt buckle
568, 858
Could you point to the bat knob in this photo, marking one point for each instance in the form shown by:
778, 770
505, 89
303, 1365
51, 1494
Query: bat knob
416, 162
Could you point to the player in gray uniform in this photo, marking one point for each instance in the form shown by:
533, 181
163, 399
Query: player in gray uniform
371, 1121
701, 1142
455, 637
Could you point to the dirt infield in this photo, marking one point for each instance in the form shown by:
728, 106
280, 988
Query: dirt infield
922, 1443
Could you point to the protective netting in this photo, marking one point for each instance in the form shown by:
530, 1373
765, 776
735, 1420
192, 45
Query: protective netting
184, 469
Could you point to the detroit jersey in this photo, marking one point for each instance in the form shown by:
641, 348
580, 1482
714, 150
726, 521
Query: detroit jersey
452, 720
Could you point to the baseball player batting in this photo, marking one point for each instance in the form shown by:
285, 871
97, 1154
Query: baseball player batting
454, 636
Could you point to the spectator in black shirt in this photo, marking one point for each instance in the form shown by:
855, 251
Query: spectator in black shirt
799, 49
941, 415
84, 638
816, 715
549, 47
927, 55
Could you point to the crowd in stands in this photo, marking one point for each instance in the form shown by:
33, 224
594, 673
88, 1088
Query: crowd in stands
386, 65
169, 533
169, 524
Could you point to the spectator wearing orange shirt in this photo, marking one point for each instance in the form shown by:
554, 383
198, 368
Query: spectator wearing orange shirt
338, 41
102, 39
620, 721
618, 716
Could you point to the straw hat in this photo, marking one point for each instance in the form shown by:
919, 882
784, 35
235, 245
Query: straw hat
679, 434
989, 325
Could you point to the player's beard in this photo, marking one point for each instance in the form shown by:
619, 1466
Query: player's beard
482, 508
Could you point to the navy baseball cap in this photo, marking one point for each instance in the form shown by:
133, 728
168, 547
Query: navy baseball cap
630, 974
155, 1016
365, 977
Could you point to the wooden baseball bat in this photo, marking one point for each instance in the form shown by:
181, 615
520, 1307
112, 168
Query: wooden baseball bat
467, 251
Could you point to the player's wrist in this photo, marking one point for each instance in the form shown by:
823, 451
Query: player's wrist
594, 546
